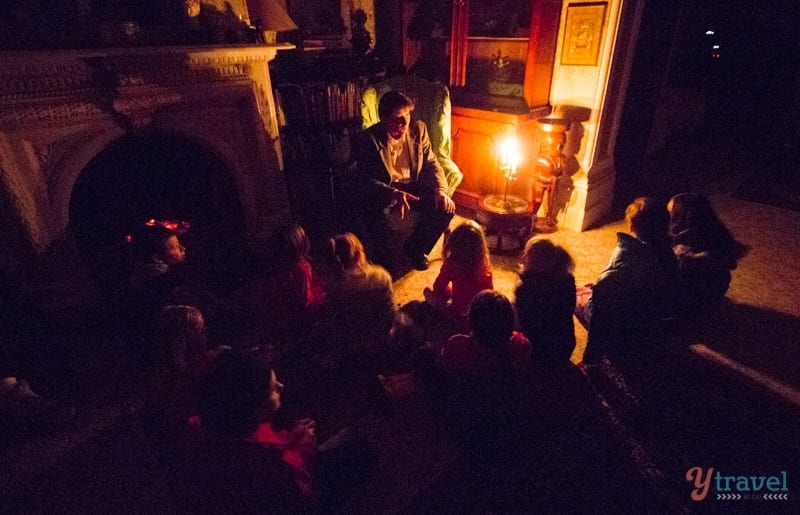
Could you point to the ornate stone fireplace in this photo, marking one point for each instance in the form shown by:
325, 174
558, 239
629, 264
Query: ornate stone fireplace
60, 110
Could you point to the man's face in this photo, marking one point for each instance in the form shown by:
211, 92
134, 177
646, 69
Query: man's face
397, 123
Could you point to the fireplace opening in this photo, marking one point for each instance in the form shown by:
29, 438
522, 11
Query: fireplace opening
156, 175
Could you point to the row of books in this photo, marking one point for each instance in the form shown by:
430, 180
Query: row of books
318, 103
329, 150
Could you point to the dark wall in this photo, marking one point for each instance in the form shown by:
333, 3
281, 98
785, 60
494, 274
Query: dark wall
749, 88
656, 37
56, 24
389, 34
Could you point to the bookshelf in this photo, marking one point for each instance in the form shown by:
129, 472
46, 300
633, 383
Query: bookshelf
319, 103
317, 121
318, 107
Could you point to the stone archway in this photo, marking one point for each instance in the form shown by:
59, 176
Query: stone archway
154, 174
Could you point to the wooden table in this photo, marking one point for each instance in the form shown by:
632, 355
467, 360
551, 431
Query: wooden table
505, 216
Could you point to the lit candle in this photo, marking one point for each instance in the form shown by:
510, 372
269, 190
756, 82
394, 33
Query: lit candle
509, 159
509, 156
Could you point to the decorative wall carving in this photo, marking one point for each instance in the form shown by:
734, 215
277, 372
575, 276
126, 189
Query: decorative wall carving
24, 74
50, 87
52, 113
49, 152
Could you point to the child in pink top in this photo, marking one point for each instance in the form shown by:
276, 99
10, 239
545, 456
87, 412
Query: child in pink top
492, 345
466, 270
287, 292
291, 275
238, 399
481, 380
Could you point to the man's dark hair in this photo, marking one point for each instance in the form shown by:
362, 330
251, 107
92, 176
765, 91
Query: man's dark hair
390, 102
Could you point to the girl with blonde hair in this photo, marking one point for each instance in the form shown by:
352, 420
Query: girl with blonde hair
466, 270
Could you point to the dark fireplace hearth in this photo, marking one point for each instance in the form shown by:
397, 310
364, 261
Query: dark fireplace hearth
154, 175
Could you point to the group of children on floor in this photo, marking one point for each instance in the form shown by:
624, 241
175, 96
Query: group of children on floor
674, 262
672, 268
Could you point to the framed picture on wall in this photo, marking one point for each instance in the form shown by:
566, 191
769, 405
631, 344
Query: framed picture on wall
583, 34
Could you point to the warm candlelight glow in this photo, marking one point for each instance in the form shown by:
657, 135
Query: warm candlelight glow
509, 156
509, 160
502, 213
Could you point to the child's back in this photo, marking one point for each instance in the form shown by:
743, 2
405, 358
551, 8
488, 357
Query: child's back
635, 293
360, 297
156, 277
482, 372
282, 294
545, 302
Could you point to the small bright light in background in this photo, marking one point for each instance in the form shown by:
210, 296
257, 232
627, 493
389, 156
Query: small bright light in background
715, 47
710, 33
509, 153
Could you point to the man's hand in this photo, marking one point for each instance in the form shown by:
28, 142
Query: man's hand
402, 200
444, 202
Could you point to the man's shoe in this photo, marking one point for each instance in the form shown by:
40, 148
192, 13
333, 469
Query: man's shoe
419, 261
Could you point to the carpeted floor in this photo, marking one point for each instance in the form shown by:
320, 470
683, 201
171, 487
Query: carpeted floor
584, 461
761, 323
757, 334
782, 191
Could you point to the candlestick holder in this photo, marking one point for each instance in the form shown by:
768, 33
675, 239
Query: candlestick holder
509, 160
549, 166
505, 214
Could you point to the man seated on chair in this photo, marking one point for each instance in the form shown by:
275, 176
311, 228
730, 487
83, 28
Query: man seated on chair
396, 169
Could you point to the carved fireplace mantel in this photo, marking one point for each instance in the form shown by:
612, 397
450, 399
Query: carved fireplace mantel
50, 86
60, 109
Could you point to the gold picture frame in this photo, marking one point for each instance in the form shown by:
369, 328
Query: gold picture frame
583, 34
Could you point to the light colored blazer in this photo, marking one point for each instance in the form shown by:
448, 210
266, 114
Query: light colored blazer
371, 153
431, 105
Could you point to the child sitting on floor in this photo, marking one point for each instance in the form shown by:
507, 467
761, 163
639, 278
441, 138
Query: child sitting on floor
492, 344
156, 278
290, 268
182, 357
466, 270
706, 252
233, 459
238, 460
156, 250
545, 301
181, 345
286, 291
626, 308
481, 373
360, 304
